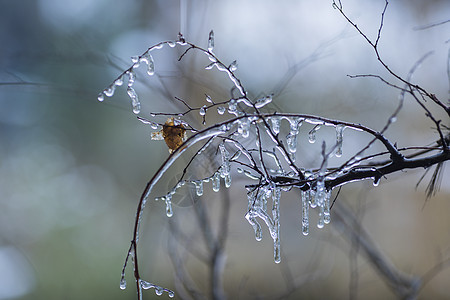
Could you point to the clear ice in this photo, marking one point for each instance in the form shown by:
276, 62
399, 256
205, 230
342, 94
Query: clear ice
211, 41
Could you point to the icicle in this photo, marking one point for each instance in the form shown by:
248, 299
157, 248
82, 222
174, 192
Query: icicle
199, 187
305, 212
131, 78
276, 122
226, 167
169, 210
134, 100
326, 212
250, 216
291, 138
150, 64
263, 101
312, 134
276, 195
277, 250
220, 110
211, 41
227, 180
291, 141
256, 226
123, 282
339, 140
202, 111
216, 182
312, 198
320, 192
321, 221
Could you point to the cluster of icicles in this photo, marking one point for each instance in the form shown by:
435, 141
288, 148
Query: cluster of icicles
316, 197
259, 197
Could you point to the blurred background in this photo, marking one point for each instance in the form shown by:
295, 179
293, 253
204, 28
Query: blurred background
72, 169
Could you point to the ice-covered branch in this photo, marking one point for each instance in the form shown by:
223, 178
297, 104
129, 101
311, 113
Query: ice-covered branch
262, 144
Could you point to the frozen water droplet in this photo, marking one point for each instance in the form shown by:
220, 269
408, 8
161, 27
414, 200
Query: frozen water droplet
109, 91
208, 99
220, 110
258, 233
232, 104
263, 101
135, 59
376, 181
123, 283
171, 294
233, 66
171, 44
276, 121
244, 127
202, 111
119, 81
312, 134
101, 97
211, 41
159, 291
